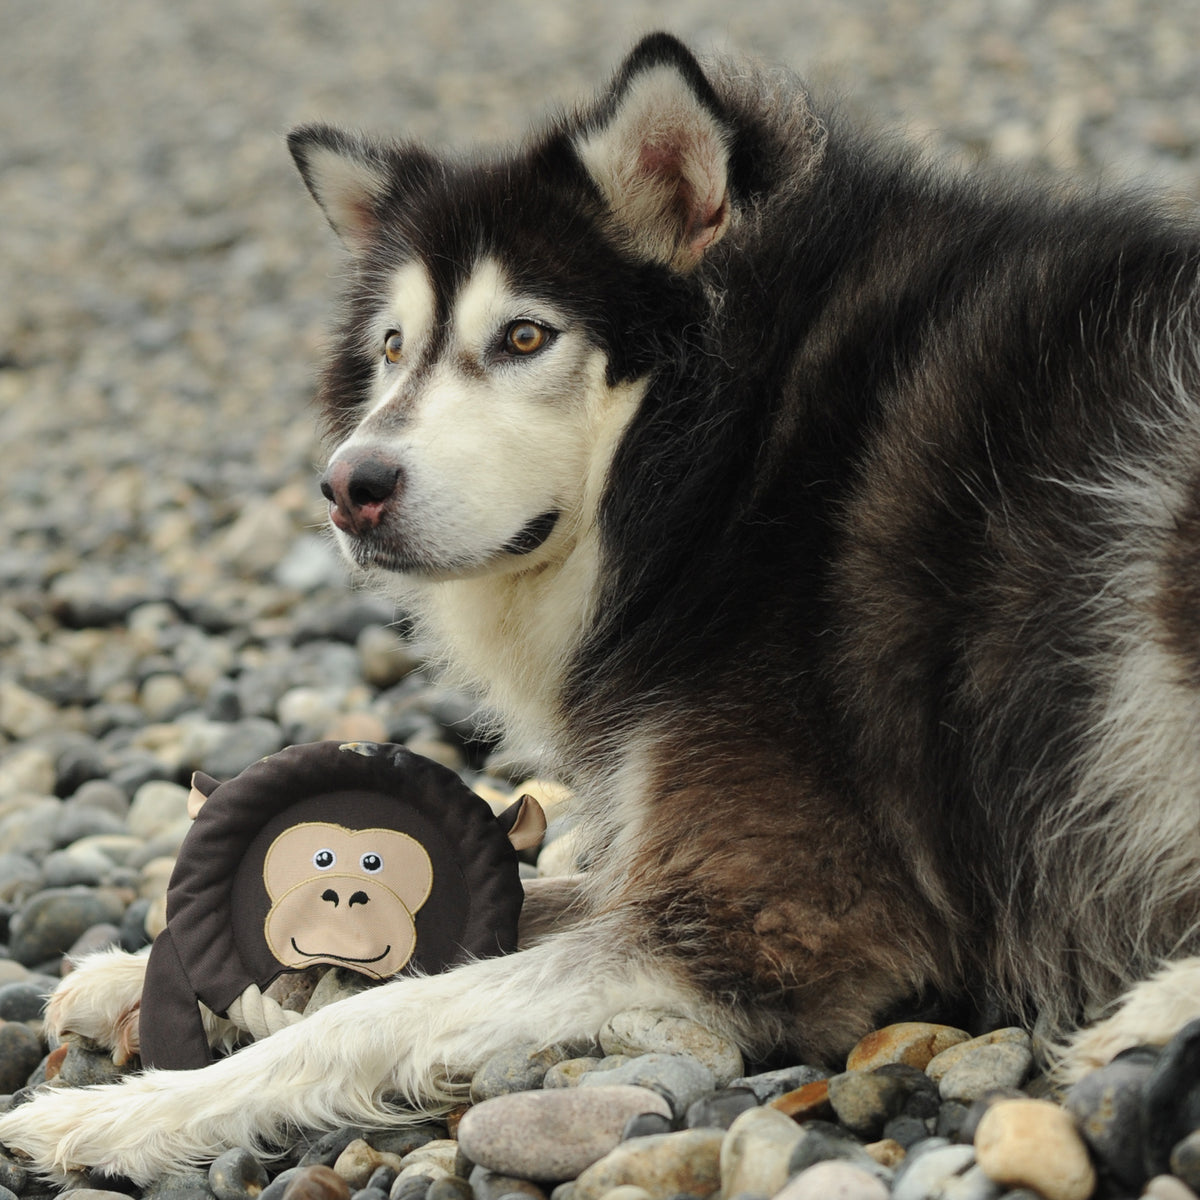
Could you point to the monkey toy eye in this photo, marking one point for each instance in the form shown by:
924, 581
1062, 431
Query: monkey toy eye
371, 863
324, 859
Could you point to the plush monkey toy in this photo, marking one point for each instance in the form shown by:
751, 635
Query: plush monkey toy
360, 855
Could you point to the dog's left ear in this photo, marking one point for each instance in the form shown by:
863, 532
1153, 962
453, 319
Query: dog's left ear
658, 149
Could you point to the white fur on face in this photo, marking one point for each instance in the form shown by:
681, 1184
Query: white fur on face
488, 443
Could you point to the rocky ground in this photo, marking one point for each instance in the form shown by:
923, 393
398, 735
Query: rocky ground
168, 602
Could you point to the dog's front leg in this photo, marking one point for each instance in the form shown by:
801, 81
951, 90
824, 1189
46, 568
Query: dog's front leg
410, 1038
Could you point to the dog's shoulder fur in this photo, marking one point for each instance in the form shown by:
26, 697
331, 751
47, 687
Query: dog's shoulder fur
830, 520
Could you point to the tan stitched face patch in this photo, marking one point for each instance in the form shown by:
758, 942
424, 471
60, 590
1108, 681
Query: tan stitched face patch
345, 896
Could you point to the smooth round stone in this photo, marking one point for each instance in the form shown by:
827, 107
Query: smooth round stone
833, 1181
20, 876
915, 1043
359, 1161
653, 1031
552, 1134
1185, 1160
237, 1175
927, 1172
865, 1101
76, 865
719, 1109
83, 1067
20, 1052
100, 793
438, 1155
767, 1085
88, 1193
679, 1080
569, 1072
1170, 1107
1167, 1187
181, 1185
245, 743
316, 1182
48, 923
1003, 1065
491, 1185
517, 1069
13, 1175
453, 1187
156, 807
757, 1150
385, 656
22, 1001
1106, 1104
646, 1125
666, 1165
950, 1057
821, 1141
325, 1150
27, 769
1034, 1143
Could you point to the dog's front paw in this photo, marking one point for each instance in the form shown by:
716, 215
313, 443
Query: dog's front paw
1151, 1014
100, 1001
58, 1133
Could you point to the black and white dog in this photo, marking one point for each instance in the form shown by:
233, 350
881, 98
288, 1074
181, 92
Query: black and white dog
829, 523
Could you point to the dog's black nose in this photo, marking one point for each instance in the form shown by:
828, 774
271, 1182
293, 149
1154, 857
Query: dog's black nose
358, 488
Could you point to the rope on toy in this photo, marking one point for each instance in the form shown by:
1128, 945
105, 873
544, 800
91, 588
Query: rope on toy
259, 1015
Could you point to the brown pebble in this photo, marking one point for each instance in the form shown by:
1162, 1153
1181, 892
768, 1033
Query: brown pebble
317, 1183
55, 1061
911, 1042
807, 1103
887, 1153
1034, 1144
453, 1117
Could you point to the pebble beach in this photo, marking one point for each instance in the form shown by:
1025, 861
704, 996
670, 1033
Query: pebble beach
169, 601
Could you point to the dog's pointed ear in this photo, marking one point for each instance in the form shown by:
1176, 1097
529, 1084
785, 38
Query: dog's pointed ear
348, 176
658, 149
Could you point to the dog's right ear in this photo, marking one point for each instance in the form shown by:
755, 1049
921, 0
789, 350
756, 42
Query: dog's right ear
348, 176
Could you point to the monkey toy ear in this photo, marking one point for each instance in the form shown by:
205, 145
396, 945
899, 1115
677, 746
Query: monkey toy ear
525, 822
203, 786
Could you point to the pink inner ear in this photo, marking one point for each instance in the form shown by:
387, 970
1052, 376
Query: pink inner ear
701, 217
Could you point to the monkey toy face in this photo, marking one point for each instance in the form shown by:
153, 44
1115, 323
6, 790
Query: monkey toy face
345, 897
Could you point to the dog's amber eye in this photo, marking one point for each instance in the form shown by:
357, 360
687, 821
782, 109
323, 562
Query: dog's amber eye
393, 346
526, 337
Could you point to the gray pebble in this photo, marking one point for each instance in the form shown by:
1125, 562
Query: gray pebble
245, 743
985, 1068
653, 1031
83, 1067
769, 1084
20, 1052
48, 923
552, 1135
866, 1100
1106, 1104
569, 1072
517, 1069
679, 1080
22, 1001
924, 1176
237, 1175
491, 1185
